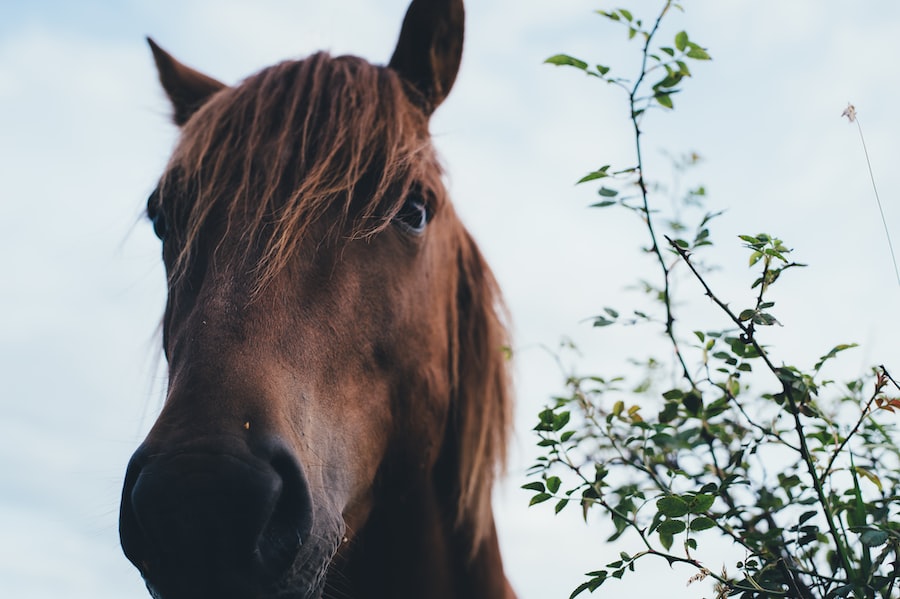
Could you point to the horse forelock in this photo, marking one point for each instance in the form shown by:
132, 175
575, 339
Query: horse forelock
297, 142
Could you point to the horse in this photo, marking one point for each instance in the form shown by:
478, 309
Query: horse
338, 402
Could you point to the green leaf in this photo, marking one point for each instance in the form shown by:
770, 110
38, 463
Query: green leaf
625, 14
697, 53
765, 319
672, 506
539, 498
560, 505
553, 484
580, 589
566, 60
669, 412
546, 420
593, 175
673, 394
681, 40
669, 82
871, 476
671, 527
561, 420
856, 515
700, 503
833, 353
717, 407
602, 69
693, 403
666, 540
664, 99
702, 523
806, 516
535, 486
873, 538
606, 192
841, 591
604, 204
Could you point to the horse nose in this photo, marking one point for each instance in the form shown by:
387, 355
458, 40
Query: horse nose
214, 521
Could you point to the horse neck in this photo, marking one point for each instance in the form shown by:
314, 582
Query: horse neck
411, 547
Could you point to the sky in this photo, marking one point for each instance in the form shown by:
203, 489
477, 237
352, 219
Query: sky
85, 132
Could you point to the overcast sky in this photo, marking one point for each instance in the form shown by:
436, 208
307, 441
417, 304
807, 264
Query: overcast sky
84, 132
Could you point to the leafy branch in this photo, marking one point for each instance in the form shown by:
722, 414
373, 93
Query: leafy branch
673, 61
694, 460
769, 249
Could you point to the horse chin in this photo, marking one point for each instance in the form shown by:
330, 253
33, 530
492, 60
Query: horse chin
304, 579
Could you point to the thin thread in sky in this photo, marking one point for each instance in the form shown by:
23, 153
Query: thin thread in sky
850, 113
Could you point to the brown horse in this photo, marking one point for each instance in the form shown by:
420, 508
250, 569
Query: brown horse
337, 404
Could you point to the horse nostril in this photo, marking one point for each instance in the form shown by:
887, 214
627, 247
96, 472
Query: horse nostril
198, 520
290, 520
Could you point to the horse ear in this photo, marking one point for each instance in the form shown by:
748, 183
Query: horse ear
429, 50
187, 89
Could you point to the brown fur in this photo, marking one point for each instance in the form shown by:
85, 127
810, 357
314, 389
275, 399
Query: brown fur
357, 366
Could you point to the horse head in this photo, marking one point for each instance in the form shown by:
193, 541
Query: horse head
337, 403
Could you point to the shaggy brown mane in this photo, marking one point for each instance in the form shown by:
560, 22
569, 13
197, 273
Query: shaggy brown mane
482, 404
316, 136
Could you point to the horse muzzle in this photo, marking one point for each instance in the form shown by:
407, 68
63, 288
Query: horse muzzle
215, 519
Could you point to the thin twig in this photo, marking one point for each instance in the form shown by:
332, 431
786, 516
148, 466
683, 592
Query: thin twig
888, 375
642, 184
865, 413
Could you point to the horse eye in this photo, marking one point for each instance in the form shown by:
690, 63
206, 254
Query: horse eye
414, 215
156, 216
159, 225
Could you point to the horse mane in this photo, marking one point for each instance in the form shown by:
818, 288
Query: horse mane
316, 136
339, 137
482, 407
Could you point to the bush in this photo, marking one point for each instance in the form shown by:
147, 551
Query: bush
672, 466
